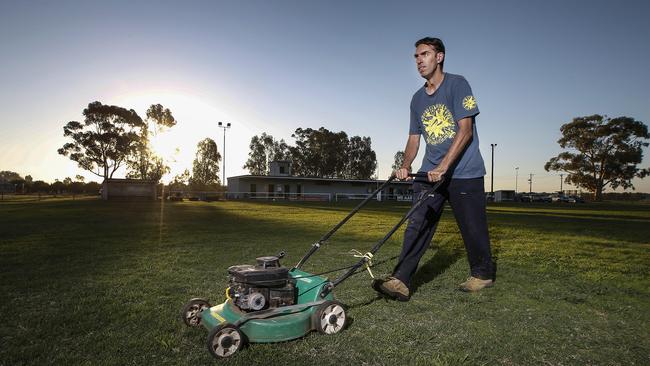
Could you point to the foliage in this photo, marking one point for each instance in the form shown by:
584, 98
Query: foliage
40, 186
263, 150
147, 165
161, 117
319, 153
205, 168
8, 176
361, 159
144, 163
180, 181
323, 153
105, 140
602, 152
398, 160
57, 187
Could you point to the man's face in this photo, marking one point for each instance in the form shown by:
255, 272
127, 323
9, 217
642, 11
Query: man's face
427, 60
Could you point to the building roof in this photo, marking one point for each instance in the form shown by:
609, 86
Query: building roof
315, 179
128, 180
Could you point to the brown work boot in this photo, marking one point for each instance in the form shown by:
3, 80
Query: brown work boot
474, 284
393, 288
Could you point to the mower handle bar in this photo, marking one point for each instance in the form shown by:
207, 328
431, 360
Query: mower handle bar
379, 244
418, 178
320, 242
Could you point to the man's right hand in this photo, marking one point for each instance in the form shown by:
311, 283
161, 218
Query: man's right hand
402, 173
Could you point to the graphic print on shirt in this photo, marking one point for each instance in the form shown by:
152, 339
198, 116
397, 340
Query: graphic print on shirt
469, 102
438, 123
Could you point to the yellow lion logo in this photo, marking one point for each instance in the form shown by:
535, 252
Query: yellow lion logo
469, 102
438, 123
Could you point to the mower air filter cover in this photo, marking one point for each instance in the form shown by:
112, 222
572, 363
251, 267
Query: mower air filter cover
267, 262
265, 277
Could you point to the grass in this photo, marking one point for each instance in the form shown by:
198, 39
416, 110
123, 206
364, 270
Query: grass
88, 282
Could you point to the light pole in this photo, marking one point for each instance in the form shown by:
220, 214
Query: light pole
492, 174
561, 179
516, 178
223, 174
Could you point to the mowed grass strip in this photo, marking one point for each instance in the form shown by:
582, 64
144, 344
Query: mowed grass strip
102, 283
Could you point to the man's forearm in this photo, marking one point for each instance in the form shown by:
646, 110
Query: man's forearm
411, 151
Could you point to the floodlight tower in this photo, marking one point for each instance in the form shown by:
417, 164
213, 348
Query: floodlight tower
224, 126
492, 174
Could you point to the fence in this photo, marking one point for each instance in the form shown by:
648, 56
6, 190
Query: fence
268, 196
383, 197
321, 197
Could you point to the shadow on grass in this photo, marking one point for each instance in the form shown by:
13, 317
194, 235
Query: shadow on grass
444, 258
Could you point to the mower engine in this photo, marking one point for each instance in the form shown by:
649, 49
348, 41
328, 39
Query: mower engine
263, 286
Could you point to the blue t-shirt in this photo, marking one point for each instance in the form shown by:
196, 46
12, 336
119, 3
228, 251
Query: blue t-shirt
436, 118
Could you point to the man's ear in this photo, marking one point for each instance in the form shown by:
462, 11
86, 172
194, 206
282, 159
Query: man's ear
440, 56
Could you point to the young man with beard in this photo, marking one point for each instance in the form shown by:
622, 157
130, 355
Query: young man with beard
443, 112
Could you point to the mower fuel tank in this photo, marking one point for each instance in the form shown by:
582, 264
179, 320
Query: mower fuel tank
266, 285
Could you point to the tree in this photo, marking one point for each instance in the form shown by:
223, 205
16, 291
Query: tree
92, 188
319, 153
77, 187
147, 165
8, 176
161, 117
105, 140
398, 160
144, 163
180, 181
57, 187
40, 186
263, 150
205, 168
603, 152
361, 159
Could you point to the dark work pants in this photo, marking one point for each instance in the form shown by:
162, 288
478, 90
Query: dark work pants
467, 200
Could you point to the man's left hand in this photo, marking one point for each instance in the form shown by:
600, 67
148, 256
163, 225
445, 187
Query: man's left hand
436, 174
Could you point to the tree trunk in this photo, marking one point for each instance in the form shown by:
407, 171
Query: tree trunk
598, 196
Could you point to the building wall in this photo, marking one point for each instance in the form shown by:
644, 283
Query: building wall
128, 189
238, 185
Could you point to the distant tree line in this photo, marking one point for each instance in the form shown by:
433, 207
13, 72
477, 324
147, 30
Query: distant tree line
317, 153
28, 185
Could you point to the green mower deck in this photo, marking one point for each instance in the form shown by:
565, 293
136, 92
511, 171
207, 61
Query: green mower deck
274, 325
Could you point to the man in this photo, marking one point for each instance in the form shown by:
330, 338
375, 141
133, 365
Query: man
443, 112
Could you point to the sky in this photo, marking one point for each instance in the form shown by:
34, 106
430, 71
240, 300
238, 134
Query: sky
274, 66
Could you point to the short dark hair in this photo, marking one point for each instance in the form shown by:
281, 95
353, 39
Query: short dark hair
436, 43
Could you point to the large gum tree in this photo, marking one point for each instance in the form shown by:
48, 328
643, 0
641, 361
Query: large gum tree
104, 141
601, 152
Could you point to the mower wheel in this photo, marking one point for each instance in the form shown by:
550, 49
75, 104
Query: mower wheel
330, 318
191, 312
225, 340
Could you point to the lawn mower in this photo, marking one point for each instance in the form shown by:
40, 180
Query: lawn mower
267, 302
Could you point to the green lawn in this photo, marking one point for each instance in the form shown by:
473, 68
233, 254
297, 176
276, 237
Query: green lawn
93, 282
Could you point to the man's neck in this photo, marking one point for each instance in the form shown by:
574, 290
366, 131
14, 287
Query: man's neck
433, 83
